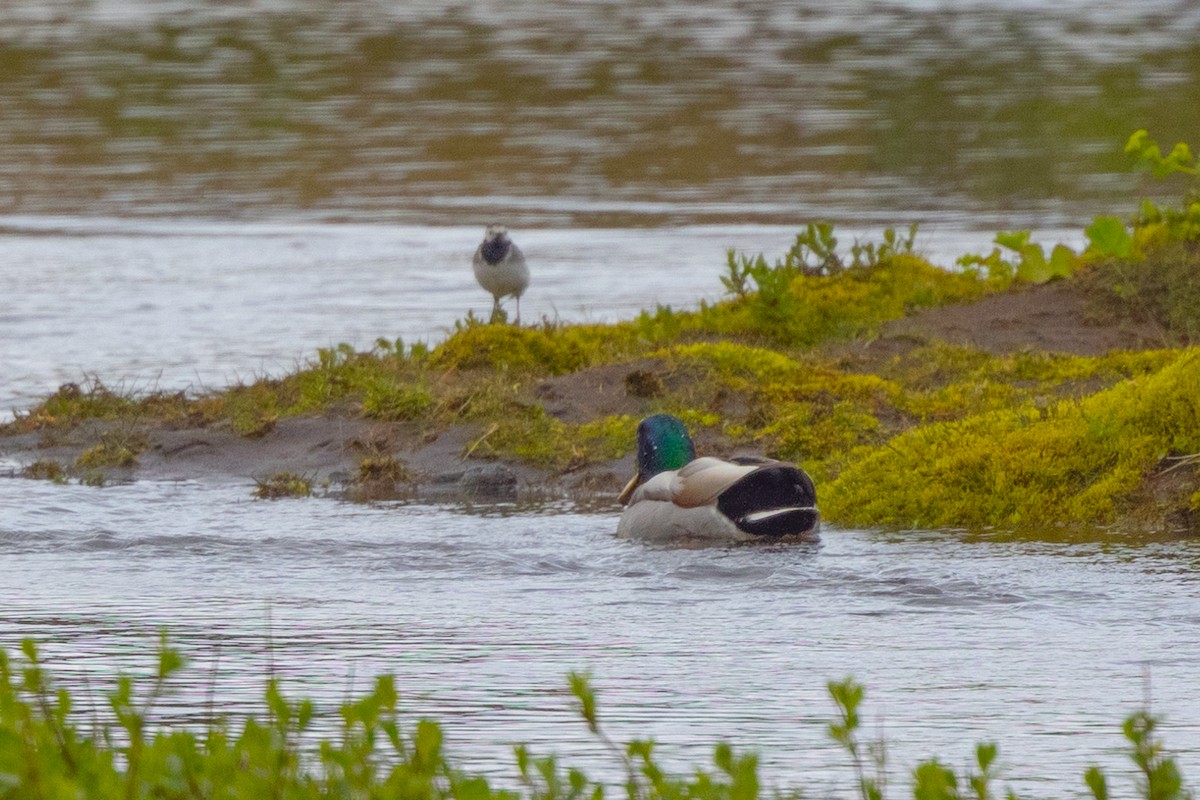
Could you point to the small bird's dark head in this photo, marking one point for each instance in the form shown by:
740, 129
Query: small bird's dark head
662, 444
495, 244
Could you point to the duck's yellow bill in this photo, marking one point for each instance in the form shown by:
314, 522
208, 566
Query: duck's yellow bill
634, 482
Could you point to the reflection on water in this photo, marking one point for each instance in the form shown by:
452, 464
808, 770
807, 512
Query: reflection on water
588, 113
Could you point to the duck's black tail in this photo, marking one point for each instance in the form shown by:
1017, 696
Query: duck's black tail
773, 501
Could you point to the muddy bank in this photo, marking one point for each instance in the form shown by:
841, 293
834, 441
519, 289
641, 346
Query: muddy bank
328, 451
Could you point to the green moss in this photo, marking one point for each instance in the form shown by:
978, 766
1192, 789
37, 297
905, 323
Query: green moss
252, 410
282, 484
117, 448
814, 434
551, 350
73, 404
943, 382
736, 365
608, 438
806, 411
103, 455
538, 439
1077, 461
388, 400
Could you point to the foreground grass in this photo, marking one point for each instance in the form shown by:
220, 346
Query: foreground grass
940, 435
45, 753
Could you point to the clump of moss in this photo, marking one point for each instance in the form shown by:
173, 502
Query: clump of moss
117, 448
45, 470
252, 410
282, 484
394, 401
103, 455
549, 350
608, 437
382, 468
802, 410
378, 477
382, 383
541, 440
944, 382
1076, 461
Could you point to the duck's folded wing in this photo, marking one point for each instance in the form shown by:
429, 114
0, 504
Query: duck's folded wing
702, 481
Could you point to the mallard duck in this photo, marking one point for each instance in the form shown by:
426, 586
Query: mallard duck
676, 496
500, 268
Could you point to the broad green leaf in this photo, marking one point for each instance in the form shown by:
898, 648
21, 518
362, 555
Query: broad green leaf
1063, 261
1107, 237
1033, 267
1097, 783
1013, 240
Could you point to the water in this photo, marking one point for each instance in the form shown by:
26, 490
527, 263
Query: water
193, 194
1042, 647
590, 113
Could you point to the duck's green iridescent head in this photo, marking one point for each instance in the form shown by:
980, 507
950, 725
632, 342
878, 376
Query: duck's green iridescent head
662, 444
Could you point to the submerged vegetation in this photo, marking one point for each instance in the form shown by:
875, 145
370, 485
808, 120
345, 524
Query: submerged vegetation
125, 752
927, 433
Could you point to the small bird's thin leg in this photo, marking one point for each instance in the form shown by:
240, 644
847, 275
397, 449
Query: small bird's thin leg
518, 322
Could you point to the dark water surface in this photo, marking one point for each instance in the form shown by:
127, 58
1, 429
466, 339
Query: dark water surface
197, 193
606, 113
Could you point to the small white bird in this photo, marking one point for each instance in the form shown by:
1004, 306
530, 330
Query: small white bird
500, 268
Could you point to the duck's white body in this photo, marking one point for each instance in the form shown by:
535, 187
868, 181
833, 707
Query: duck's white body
713, 500
500, 267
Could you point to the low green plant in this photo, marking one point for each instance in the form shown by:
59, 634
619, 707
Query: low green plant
252, 410
382, 467
1156, 225
282, 484
1029, 262
72, 404
127, 753
1149, 272
790, 302
1149, 156
814, 295
118, 447
45, 470
1108, 238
